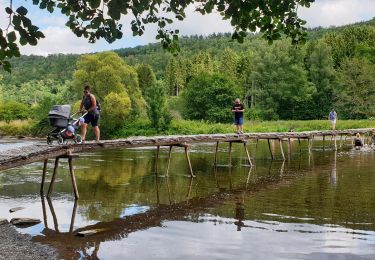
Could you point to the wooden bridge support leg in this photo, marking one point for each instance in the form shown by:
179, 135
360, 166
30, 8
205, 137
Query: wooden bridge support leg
269, 147
299, 143
216, 150
247, 154
44, 211
43, 176
157, 159
73, 218
73, 177
309, 144
55, 169
324, 139
188, 160
289, 147
281, 148
230, 154
169, 158
55, 223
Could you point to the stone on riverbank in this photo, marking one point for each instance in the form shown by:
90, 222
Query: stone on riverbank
15, 209
24, 221
3, 221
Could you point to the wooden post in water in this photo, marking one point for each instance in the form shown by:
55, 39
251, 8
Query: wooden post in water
73, 177
55, 169
269, 147
188, 160
281, 148
72, 220
55, 223
157, 159
216, 150
309, 144
289, 148
247, 154
43, 176
230, 154
324, 138
299, 143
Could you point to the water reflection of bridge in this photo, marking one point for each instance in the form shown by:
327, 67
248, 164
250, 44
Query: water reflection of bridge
70, 244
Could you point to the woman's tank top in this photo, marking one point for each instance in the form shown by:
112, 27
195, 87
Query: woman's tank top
87, 104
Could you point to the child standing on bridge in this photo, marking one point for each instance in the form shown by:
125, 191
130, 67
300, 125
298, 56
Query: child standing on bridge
332, 117
238, 110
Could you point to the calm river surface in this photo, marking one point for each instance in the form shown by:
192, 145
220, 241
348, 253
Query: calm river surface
308, 207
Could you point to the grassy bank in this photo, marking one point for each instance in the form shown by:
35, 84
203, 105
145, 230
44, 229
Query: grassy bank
144, 128
16, 128
199, 127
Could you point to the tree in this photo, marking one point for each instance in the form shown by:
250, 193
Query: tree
117, 111
322, 74
356, 91
176, 74
283, 91
146, 77
156, 106
106, 72
95, 19
209, 97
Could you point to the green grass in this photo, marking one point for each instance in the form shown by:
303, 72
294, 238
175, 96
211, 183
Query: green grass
185, 127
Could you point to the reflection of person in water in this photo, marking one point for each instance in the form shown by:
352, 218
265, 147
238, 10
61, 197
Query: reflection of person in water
333, 179
358, 142
240, 215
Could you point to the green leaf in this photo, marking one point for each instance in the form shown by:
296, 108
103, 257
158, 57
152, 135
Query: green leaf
8, 10
94, 3
12, 36
22, 10
16, 20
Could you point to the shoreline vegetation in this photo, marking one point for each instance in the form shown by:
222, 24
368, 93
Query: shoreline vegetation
27, 128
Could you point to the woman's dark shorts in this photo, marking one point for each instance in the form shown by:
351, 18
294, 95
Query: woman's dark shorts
92, 118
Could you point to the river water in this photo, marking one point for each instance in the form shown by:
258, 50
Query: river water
309, 207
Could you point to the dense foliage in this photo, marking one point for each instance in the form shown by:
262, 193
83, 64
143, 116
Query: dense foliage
335, 69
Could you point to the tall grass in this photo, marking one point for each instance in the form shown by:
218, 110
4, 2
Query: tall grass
16, 128
144, 127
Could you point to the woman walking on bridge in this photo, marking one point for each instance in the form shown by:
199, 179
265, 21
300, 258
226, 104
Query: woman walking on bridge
90, 104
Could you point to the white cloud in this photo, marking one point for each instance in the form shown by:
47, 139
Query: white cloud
337, 12
58, 40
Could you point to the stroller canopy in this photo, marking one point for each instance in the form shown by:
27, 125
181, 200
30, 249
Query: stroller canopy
61, 111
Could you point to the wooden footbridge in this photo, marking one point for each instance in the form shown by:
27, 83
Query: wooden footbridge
42, 152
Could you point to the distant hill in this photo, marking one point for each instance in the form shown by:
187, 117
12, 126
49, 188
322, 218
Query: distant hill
60, 67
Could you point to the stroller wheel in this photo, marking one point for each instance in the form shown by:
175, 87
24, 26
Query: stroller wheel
61, 140
49, 140
78, 139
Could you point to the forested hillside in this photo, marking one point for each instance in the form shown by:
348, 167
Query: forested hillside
335, 68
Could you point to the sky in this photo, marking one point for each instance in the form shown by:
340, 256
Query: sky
59, 39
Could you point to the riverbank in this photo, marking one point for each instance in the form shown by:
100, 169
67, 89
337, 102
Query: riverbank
19, 246
21, 128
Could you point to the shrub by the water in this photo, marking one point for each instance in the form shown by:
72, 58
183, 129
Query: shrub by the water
210, 97
12, 110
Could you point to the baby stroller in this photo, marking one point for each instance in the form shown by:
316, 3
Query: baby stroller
65, 125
